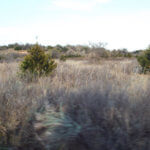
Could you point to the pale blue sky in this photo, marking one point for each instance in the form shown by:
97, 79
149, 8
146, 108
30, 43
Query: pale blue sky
120, 23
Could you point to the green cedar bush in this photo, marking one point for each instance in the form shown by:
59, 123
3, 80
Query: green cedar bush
17, 48
144, 61
37, 63
62, 58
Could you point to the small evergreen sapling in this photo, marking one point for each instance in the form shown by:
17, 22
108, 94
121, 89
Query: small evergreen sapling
144, 61
37, 62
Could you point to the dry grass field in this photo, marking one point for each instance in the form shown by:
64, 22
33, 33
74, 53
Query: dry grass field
11, 55
81, 106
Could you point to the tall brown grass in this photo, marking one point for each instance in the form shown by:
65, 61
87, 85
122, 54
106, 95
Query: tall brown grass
81, 106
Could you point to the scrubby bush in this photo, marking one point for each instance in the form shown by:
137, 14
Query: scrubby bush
54, 53
129, 55
62, 58
17, 48
144, 61
61, 48
37, 63
1, 57
73, 56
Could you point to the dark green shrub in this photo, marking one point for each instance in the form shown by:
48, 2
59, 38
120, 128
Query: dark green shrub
37, 63
62, 58
144, 61
129, 55
73, 55
2, 57
18, 48
61, 48
54, 53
